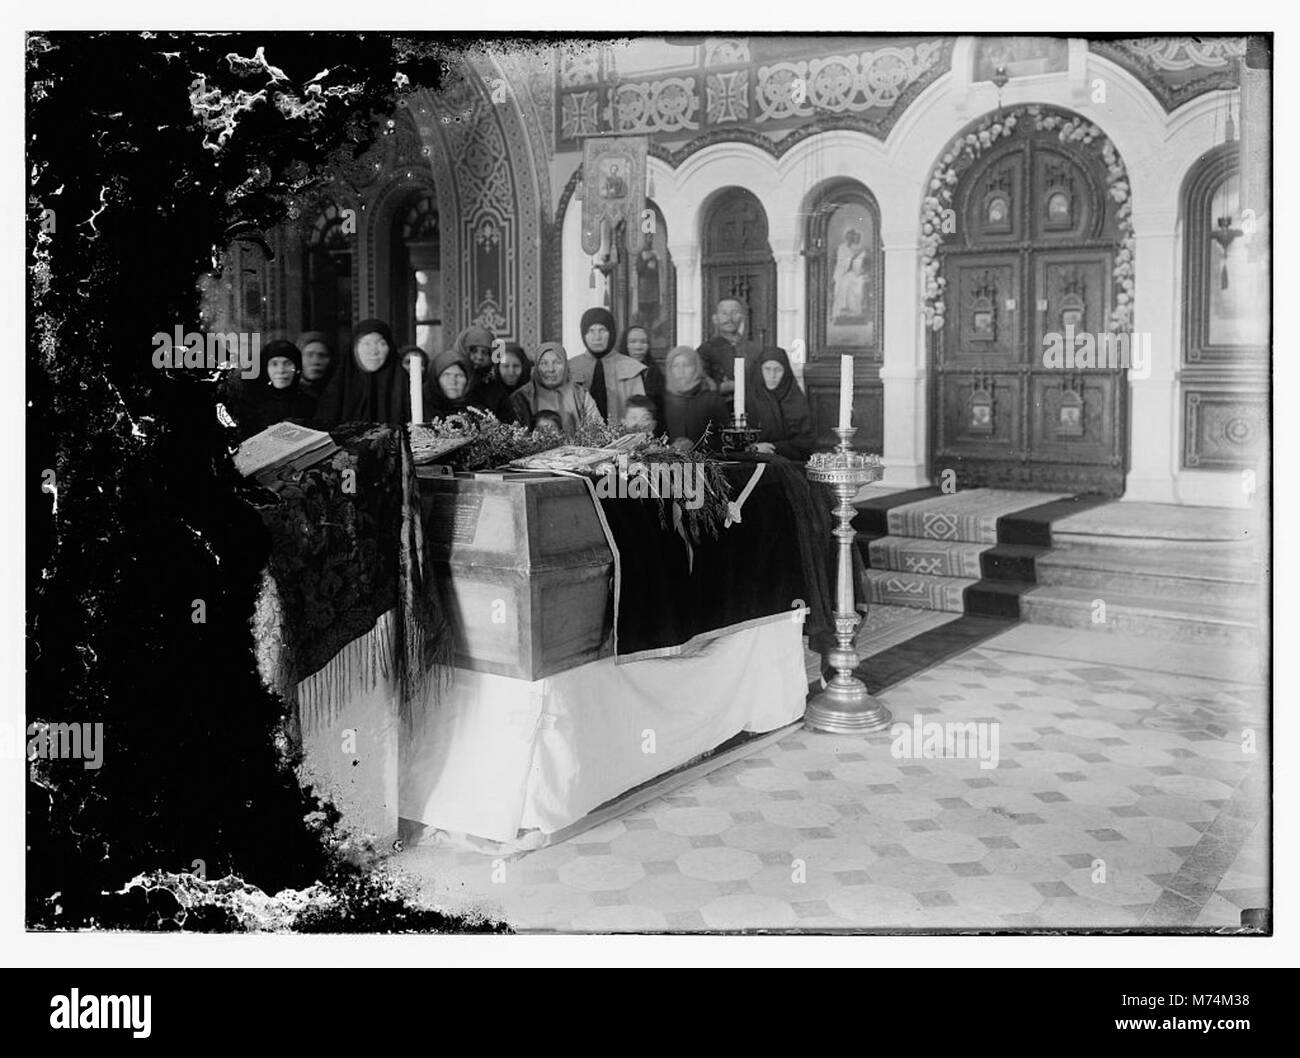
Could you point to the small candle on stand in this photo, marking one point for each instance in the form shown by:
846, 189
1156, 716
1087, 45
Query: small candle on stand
846, 391
739, 373
417, 388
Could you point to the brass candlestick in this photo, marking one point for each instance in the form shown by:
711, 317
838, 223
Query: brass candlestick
845, 707
739, 436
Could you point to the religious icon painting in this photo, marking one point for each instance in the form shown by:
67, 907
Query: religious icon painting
614, 173
1069, 415
849, 245
997, 214
980, 420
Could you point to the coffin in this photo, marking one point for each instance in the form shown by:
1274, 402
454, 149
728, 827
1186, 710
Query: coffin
524, 569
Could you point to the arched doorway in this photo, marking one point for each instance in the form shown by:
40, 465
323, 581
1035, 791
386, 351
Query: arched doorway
1027, 264
415, 273
738, 263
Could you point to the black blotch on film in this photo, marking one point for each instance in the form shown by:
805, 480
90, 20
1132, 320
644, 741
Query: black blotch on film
149, 512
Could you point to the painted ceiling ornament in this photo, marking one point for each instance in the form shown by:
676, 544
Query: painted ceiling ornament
966, 148
1184, 53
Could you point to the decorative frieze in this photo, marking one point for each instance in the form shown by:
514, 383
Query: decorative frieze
732, 88
841, 84
648, 107
1176, 69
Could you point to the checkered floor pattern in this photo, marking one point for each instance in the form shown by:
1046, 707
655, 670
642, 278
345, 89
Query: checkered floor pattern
1122, 797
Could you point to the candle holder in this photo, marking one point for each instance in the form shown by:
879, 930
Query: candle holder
845, 707
739, 436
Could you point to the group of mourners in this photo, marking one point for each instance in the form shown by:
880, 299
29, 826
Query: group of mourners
614, 381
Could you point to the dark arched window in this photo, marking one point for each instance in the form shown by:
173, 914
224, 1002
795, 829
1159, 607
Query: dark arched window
328, 274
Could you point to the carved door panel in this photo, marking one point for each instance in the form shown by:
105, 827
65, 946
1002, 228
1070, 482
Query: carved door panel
1030, 271
1077, 409
978, 376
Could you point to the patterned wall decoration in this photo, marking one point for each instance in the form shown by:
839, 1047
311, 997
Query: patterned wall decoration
1176, 69
868, 80
668, 105
763, 84
493, 243
725, 51
728, 96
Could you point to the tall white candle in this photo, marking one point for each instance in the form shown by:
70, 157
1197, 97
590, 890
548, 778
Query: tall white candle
846, 391
738, 370
417, 388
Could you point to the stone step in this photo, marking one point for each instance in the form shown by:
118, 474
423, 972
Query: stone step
898, 588
1104, 580
1160, 554
1141, 615
936, 558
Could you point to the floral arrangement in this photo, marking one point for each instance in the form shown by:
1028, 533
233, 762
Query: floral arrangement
966, 148
494, 443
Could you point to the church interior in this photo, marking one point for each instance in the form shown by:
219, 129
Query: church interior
1018, 289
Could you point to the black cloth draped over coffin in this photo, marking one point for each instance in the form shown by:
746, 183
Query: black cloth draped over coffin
340, 558
762, 565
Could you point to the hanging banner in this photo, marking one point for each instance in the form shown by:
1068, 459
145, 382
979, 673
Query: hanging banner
613, 188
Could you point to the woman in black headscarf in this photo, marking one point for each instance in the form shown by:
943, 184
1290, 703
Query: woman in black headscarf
275, 395
691, 409
610, 377
453, 386
318, 363
475, 341
514, 369
369, 385
635, 344
510, 373
776, 405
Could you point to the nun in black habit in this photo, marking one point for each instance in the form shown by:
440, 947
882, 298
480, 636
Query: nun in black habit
276, 395
369, 385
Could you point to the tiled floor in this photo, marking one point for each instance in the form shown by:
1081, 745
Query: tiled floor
1123, 796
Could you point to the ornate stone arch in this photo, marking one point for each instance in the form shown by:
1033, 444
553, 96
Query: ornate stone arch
488, 195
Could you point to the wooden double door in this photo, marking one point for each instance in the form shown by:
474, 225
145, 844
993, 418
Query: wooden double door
1028, 270
738, 263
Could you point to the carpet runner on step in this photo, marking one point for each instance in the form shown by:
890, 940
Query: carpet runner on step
951, 552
